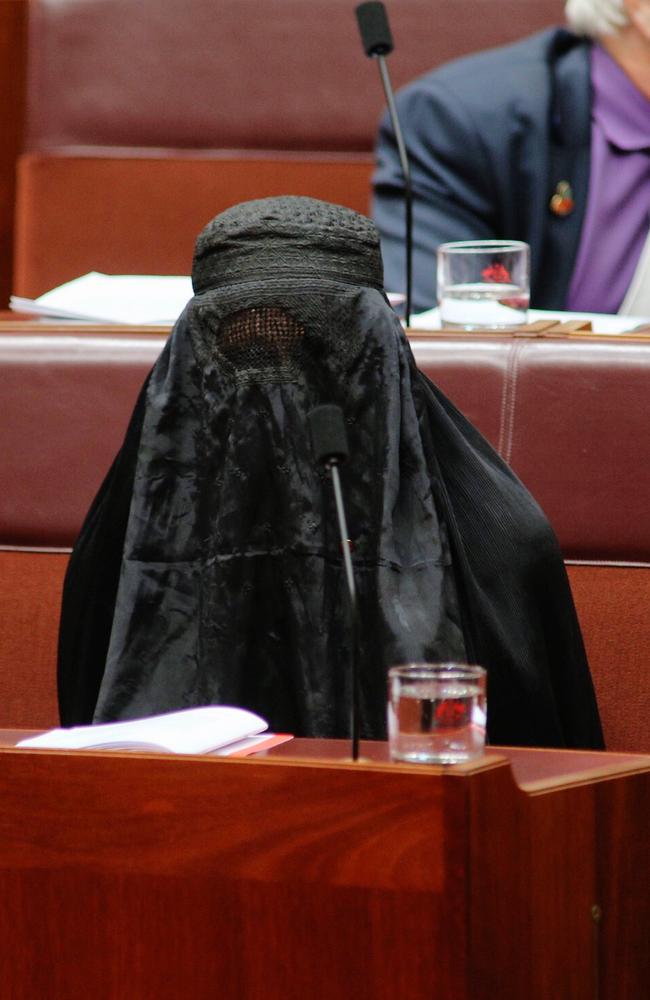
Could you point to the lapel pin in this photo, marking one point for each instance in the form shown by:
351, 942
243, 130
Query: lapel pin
562, 202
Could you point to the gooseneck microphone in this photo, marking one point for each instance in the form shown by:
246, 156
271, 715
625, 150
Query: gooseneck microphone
330, 447
377, 42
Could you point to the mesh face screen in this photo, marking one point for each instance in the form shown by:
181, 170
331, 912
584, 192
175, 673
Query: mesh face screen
261, 344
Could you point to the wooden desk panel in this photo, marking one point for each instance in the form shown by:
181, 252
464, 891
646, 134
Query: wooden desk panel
134, 875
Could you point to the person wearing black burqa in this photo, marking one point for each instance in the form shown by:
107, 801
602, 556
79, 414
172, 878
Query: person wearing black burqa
209, 567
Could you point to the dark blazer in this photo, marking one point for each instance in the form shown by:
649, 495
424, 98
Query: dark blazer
489, 137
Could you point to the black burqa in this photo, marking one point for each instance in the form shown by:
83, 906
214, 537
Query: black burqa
209, 569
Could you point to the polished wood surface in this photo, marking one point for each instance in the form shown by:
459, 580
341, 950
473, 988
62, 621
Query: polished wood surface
290, 875
534, 769
12, 323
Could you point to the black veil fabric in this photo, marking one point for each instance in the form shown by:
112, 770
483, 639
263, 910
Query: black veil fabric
209, 568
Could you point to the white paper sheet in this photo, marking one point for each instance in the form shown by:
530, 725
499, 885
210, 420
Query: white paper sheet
600, 322
192, 730
135, 299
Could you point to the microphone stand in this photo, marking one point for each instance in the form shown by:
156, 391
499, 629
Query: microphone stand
377, 42
332, 468
406, 171
330, 447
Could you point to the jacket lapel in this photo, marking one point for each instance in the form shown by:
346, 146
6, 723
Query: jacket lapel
568, 171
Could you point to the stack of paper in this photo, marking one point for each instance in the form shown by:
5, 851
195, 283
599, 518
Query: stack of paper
137, 299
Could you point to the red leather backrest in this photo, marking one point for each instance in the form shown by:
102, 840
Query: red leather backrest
67, 402
280, 74
571, 417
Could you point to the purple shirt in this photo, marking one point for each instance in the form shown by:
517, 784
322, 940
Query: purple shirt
616, 218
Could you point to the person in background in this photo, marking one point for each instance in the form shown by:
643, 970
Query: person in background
209, 570
545, 140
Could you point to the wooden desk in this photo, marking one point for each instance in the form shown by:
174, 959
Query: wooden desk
303, 875
12, 323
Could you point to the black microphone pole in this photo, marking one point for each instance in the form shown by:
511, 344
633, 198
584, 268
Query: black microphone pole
330, 447
377, 42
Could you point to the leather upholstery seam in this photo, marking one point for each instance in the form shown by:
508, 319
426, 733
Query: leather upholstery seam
509, 402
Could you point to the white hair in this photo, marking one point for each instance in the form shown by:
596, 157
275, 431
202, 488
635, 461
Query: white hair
595, 17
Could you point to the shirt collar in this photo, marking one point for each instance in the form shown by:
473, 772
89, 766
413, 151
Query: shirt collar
620, 109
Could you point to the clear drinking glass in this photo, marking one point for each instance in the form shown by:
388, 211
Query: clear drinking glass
436, 712
483, 284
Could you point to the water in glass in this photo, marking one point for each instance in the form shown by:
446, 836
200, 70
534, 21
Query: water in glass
437, 722
483, 304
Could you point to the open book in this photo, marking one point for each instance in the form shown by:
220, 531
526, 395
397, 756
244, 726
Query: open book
213, 729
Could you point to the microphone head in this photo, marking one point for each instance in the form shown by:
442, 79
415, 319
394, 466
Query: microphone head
328, 435
375, 31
